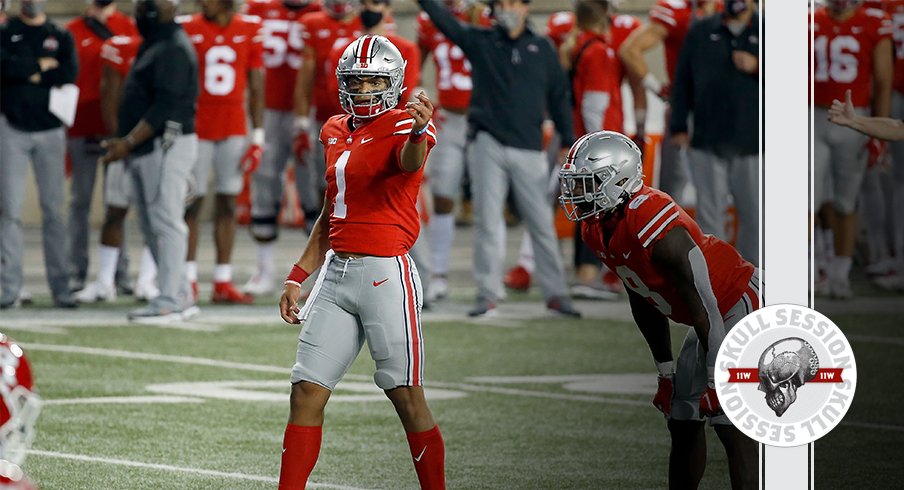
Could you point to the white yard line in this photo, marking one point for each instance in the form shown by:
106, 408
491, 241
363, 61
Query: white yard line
178, 469
145, 356
102, 400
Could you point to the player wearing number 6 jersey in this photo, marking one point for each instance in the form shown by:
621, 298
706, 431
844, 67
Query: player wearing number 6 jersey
230, 56
671, 270
368, 287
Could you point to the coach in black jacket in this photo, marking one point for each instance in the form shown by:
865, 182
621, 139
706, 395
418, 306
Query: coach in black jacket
35, 56
157, 128
517, 81
717, 84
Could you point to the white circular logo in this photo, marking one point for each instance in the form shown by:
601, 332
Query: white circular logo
785, 375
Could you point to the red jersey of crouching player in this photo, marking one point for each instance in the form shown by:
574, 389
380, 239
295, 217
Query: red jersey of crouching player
282, 43
676, 17
225, 54
380, 221
322, 33
453, 71
624, 242
843, 54
119, 52
409, 52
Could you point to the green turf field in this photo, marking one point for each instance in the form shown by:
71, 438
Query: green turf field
541, 403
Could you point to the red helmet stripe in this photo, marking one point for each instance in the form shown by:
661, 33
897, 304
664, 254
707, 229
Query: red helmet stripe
365, 49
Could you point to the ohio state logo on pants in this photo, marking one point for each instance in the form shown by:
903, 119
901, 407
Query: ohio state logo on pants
785, 375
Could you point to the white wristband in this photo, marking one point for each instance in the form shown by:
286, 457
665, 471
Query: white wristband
257, 136
294, 283
302, 123
665, 368
651, 83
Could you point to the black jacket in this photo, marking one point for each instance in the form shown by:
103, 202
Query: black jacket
516, 81
723, 100
26, 104
161, 87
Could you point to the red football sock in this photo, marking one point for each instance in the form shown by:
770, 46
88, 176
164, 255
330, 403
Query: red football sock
429, 455
301, 446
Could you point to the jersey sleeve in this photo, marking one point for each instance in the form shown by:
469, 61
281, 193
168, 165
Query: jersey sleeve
426, 34
113, 54
667, 13
401, 133
256, 54
652, 216
884, 28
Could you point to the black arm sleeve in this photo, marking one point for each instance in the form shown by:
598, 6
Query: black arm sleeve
653, 325
682, 98
67, 71
458, 32
558, 98
173, 88
15, 67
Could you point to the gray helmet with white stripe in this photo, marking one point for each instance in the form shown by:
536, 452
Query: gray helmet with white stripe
371, 56
602, 170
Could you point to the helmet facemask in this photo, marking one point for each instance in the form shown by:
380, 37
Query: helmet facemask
366, 104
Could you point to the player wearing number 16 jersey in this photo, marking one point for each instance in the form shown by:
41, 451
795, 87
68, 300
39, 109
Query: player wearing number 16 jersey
368, 287
671, 270
851, 51
229, 48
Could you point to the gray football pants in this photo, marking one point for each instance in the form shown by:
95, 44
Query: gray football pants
45, 150
716, 179
84, 154
492, 167
161, 187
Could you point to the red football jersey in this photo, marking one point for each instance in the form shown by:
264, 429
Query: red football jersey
282, 48
88, 121
676, 17
843, 54
453, 71
410, 54
598, 70
373, 208
629, 253
895, 10
560, 24
323, 33
225, 54
119, 52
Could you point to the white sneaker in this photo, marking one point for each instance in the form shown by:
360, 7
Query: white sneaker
152, 315
96, 291
146, 292
881, 268
260, 284
889, 282
841, 289
438, 289
25, 297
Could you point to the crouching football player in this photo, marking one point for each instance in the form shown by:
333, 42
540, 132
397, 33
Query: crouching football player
671, 270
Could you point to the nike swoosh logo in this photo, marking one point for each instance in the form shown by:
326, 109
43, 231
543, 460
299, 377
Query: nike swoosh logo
86, 42
283, 449
365, 140
419, 456
626, 255
380, 282
16, 38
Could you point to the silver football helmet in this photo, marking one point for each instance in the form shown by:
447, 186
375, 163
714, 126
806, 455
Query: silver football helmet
370, 56
602, 170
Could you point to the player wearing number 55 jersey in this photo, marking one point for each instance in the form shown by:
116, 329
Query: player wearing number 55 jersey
368, 287
851, 51
230, 55
671, 270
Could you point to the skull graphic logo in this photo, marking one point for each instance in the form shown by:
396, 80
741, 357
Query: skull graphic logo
784, 367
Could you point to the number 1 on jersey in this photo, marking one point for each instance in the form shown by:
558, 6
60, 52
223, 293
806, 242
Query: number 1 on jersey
339, 207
